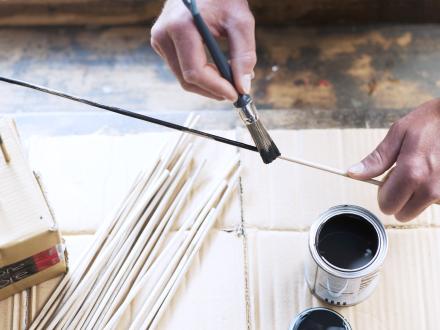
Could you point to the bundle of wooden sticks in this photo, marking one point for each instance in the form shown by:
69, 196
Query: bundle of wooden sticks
137, 250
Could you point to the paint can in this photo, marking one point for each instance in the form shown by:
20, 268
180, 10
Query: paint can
347, 247
319, 318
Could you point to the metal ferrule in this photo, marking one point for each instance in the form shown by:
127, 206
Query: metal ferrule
248, 113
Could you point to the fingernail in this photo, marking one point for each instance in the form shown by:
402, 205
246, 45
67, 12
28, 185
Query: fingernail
246, 83
357, 168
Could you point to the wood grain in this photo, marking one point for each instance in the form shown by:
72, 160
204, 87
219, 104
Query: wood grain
80, 12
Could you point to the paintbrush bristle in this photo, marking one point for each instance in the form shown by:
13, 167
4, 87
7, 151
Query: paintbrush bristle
264, 143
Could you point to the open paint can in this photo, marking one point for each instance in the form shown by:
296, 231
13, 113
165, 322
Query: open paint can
347, 247
319, 318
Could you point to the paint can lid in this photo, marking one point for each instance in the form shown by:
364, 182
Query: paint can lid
319, 318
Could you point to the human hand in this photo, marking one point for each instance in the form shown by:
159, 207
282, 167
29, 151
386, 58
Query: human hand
175, 38
413, 144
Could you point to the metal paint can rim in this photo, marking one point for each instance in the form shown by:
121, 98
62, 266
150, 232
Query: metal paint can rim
382, 248
308, 310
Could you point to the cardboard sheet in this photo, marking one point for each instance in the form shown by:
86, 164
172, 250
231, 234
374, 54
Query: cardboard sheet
86, 177
256, 281
286, 196
407, 296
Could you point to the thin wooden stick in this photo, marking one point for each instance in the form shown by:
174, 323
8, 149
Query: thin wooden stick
67, 286
332, 170
198, 216
134, 243
95, 268
16, 312
112, 262
177, 257
144, 275
71, 279
149, 252
168, 271
157, 312
327, 169
23, 309
4, 151
33, 303
154, 224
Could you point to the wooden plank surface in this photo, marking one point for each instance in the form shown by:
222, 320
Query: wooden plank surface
313, 77
79, 12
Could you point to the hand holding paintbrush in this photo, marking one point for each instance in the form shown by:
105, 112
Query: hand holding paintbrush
246, 108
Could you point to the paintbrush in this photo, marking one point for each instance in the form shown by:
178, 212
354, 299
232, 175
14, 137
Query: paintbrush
245, 105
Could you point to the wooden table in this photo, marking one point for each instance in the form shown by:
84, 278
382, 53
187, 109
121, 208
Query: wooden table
305, 77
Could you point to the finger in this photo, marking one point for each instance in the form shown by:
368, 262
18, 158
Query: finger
165, 48
193, 64
418, 202
396, 191
383, 157
241, 36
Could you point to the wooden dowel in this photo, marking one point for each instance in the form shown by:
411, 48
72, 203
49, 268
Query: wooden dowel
327, 169
332, 170
176, 259
144, 237
112, 262
149, 252
67, 287
33, 303
5, 153
198, 216
133, 242
71, 279
66, 310
155, 315
16, 312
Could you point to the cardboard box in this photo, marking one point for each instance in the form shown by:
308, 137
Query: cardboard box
31, 248
249, 274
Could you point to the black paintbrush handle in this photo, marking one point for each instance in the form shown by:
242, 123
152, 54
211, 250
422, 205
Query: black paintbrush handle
217, 55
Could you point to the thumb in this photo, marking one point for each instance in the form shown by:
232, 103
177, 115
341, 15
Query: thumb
241, 35
382, 158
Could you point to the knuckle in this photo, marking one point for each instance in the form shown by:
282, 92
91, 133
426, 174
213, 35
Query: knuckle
248, 59
178, 26
157, 35
192, 76
376, 155
415, 172
241, 21
397, 127
186, 86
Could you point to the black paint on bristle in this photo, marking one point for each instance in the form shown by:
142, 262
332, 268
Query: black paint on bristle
265, 145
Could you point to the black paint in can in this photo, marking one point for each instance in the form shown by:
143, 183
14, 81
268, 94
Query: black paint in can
347, 246
319, 318
347, 241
